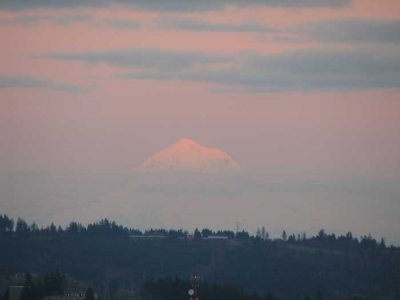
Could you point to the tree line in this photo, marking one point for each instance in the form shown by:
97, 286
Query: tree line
20, 228
105, 255
52, 283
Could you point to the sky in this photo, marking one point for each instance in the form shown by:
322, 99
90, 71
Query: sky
303, 94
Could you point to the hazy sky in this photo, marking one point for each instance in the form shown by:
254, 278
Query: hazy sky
295, 90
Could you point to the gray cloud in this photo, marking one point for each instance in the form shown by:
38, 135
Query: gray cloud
148, 59
198, 25
311, 69
65, 19
7, 81
59, 19
304, 70
170, 5
354, 31
122, 24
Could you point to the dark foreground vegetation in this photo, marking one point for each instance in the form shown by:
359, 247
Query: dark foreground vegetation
117, 262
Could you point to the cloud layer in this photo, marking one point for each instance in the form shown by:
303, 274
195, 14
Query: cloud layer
24, 81
199, 25
354, 31
59, 19
300, 70
350, 30
170, 5
144, 59
122, 24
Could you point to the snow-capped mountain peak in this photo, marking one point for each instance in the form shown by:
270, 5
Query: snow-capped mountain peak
187, 155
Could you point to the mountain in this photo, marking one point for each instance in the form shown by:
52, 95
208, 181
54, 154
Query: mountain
215, 196
185, 183
189, 156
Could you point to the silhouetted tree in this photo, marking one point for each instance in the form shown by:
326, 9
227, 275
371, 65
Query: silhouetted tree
89, 294
6, 295
258, 233
206, 232
196, 235
264, 233
6, 224
74, 228
292, 238
284, 235
26, 294
321, 234
382, 244
242, 235
52, 229
33, 228
269, 296
318, 295
28, 279
22, 228
54, 283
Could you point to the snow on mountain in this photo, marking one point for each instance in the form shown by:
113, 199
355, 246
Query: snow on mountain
189, 156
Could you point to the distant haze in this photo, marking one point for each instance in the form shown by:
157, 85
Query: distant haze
187, 185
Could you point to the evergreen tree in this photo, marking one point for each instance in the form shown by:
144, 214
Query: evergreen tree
26, 294
382, 244
89, 294
321, 234
6, 295
263, 233
284, 235
53, 229
28, 280
196, 235
206, 232
318, 295
242, 235
292, 238
22, 228
6, 224
269, 296
54, 283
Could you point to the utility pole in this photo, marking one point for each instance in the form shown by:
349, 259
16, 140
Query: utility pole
193, 292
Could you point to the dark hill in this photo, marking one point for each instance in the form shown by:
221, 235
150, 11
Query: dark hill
107, 255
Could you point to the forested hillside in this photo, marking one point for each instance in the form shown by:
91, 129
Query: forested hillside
112, 258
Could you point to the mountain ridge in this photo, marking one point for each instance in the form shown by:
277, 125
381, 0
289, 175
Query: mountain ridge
189, 156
